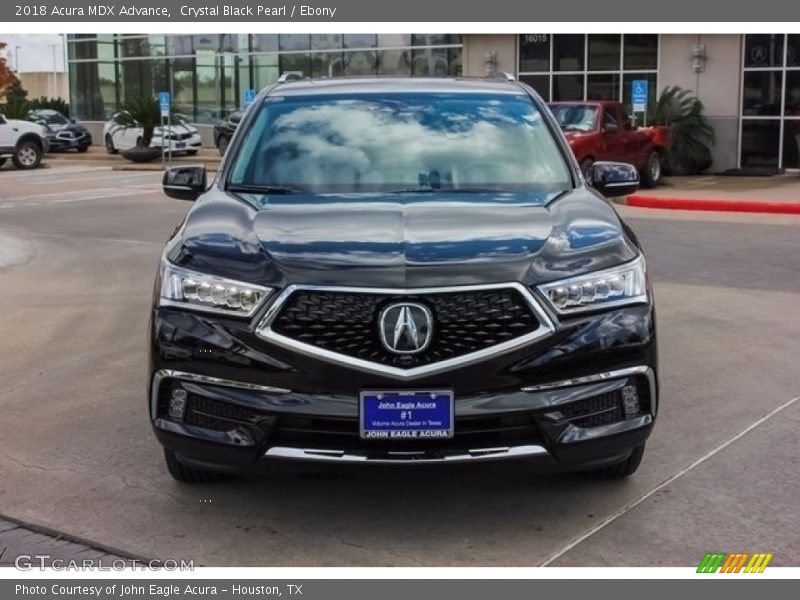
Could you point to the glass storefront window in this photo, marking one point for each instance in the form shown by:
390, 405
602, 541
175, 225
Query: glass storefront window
587, 66
393, 40
394, 62
296, 63
264, 42
762, 93
793, 50
791, 144
568, 51
763, 50
760, 141
534, 52
604, 52
540, 83
567, 87
294, 41
360, 40
326, 41
327, 64
641, 51
208, 73
792, 101
602, 87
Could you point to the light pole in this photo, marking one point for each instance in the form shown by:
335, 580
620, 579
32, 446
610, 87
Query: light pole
16, 58
53, 93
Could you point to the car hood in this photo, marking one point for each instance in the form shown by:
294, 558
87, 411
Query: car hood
409, 240
27, 126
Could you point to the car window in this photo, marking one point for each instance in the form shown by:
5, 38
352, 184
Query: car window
610, 118
575, 117
50, 117
396, 142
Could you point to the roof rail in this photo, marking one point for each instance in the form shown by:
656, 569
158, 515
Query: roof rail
290, 76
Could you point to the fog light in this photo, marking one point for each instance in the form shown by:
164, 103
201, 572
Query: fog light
177, 404
630, 400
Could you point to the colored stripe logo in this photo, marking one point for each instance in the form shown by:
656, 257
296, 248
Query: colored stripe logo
736, 562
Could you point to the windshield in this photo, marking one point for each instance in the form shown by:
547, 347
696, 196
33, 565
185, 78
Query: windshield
51, 118
400, 143
575, 118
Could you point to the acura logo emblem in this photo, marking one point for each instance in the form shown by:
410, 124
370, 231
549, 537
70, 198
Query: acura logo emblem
405, 327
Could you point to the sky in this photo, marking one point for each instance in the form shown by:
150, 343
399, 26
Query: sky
35, 53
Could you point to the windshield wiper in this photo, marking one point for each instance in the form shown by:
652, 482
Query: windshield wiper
262, 189
448, 190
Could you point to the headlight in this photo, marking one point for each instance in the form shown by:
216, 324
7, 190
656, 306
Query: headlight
198, 291
625, 284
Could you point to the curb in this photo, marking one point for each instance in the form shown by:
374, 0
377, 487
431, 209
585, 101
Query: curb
714, 205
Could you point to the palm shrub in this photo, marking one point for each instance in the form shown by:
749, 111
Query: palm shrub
692, 134
144, 113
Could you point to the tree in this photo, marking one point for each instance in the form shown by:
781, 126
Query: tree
144, 113
14, 92
6, 74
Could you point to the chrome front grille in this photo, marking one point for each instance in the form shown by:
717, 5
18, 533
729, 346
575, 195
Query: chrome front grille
341, 324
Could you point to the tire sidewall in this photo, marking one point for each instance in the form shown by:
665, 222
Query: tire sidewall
27, 145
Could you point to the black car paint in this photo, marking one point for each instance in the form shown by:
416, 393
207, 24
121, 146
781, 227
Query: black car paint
354, 241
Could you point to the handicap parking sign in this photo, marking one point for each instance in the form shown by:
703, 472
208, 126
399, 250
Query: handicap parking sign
249, 96
639, 88
163, 102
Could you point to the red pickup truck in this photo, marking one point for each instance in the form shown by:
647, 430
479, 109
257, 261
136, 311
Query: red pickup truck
604, 131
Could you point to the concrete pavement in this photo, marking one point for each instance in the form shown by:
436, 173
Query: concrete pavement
78, 456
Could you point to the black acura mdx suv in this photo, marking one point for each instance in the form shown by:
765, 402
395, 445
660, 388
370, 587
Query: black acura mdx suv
401, 271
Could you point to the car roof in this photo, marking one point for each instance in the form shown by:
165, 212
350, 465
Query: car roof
365, 85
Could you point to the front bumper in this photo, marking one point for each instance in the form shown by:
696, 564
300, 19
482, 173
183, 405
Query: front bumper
556, 401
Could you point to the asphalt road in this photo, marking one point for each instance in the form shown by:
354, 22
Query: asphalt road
78, 252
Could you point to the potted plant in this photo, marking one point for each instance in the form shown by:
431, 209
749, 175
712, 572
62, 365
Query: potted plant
680, 126
144, 113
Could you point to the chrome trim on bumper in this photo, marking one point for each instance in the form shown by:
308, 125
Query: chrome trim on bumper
546, 328
159, 376
598, 377
341, 456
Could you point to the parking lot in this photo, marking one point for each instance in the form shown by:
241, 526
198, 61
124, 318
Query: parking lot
79, 246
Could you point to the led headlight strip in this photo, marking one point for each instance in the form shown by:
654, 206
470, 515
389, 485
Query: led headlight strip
198, 291
618, 286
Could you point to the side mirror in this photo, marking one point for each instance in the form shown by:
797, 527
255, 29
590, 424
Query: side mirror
185, 183
72, 121
614, 179
611, 128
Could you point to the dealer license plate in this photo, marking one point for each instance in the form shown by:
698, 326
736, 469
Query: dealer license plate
406, 415
180, 144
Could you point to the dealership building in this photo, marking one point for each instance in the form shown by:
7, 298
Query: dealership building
749, 84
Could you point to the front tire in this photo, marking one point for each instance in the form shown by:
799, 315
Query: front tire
110, 145
2, 162
181, 472
191, 152
651, 175
622, 469
27, 156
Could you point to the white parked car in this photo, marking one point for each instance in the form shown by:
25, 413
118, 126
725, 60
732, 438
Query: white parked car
183, 139
23, 142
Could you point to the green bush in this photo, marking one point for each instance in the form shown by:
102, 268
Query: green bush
144, 113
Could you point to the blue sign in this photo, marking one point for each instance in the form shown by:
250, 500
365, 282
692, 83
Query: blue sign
406, 415
639, 94
249, 96
164, 103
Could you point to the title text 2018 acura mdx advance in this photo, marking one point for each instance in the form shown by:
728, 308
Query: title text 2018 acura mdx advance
401, 271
